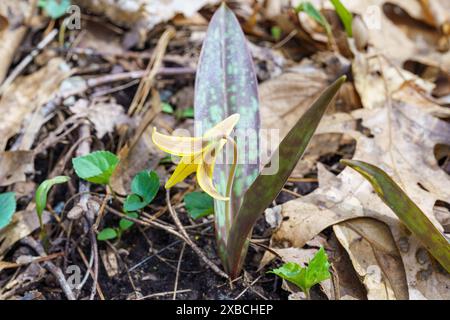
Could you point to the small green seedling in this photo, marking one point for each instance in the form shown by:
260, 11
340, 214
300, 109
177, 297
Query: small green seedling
113, 233
179, 113
7, 208
54, 8
345, 16
167, 107
96, 167
199, 204
308, 8
276, 32
144, 187
41, 196
306, 277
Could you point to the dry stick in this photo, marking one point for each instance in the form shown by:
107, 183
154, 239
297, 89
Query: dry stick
183, 236
89, 214
159, 294
50, 266
22, 65
152, 68
189, 241
178, 272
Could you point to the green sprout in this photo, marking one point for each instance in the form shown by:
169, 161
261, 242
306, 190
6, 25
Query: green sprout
41, 197
306, 277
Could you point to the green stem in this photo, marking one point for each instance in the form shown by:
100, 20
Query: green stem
230, 180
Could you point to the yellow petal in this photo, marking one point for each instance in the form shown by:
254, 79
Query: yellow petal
206, 169
179, 146
186, 166
224, 127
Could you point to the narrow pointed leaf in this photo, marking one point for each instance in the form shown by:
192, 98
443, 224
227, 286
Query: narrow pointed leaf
226, 84
315, 14
406, 210
42, 192
345, 16
266, 187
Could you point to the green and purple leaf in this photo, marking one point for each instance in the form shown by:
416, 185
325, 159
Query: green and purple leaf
266, 187
406, 210
226, 84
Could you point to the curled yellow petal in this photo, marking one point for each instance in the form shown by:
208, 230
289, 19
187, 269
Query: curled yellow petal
206, 169
186, 166
224, 127
179, 146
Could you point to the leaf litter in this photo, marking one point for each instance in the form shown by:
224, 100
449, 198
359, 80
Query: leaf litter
390, 113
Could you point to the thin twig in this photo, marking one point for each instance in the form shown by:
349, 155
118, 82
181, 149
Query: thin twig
50, 266
189, 241
178, 272
22, 65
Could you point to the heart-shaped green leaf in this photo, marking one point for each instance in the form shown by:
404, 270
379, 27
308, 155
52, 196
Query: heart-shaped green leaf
55, 8
406, 210
126, 224
107, 234
145, 186
7, 208
199, 204
96, 167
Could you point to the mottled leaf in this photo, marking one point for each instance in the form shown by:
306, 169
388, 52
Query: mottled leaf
96, 167
266, 187
226, 84
406, 210
7, 208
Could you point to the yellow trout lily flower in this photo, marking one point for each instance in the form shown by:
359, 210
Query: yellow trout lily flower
198, 154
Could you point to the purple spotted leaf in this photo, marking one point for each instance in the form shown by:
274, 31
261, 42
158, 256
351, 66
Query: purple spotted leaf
226, 84
267, 186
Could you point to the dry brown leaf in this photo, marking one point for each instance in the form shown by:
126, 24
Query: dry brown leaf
23, 224
403, 142
375, 78
105, 115
14, 165
390, 39
375, 257
12, 31
20, 103
145, 13
285, 98
110, 262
